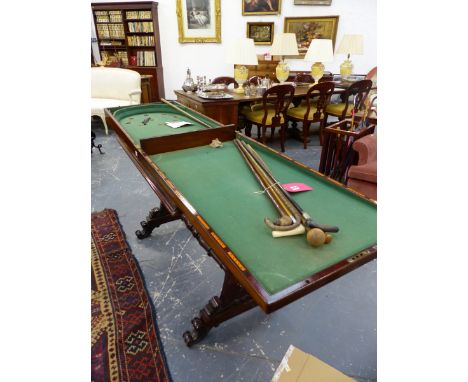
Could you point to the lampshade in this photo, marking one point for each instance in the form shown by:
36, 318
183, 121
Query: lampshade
320, 50
284, 44
351, 44
242, 52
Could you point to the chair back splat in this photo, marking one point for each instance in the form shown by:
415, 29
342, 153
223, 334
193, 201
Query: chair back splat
356, 94
312, 109
280, 96
352, 101
226, 81
275, 103
320, 95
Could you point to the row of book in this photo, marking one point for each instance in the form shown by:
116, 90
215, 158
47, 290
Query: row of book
110, 31
145, 58
136, 26
140, 40
142, 15
111, 43
108, 16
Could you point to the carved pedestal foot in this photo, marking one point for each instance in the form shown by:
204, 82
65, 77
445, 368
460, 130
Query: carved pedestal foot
197, 334
155, 218
233, 301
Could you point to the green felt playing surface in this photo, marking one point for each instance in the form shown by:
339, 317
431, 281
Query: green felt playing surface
220, 186
131, 119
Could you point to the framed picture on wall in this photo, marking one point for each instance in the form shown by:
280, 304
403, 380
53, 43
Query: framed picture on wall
261, 7
312, 2
261, 33
308, 28
199, 20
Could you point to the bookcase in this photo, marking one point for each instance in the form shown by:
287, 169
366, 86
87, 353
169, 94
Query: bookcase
128, 36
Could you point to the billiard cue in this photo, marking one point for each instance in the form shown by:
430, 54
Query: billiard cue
268, 185
306, 218
185, 113
267, 182
263, 182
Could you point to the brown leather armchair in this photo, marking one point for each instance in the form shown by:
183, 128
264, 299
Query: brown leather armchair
363, 176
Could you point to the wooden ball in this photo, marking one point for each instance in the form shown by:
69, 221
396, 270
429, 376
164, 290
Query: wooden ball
316, 237
328, 238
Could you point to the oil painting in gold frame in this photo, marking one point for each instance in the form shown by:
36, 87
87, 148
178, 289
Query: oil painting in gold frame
261, 7
262, 33
308, 28
312, 2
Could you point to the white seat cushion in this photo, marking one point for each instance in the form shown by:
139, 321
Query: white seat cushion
99, 104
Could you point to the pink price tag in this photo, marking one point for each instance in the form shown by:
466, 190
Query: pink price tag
296, 187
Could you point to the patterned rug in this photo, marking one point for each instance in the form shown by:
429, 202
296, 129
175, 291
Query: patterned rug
124, 337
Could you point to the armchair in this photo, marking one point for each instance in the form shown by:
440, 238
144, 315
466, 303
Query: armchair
363, 176
112, 87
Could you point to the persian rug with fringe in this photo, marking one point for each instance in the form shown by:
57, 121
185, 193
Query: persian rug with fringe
125, 344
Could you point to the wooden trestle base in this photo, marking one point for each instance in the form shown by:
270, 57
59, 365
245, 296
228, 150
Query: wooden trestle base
233, 299
155, 218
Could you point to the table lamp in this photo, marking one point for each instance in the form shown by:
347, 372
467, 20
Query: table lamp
284, 44
241, 52
320, 50
350, 44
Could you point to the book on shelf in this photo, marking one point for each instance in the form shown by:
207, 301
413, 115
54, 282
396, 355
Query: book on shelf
138, 27
141, 15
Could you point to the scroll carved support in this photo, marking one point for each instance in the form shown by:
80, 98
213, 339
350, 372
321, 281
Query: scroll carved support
232, 301
155, 218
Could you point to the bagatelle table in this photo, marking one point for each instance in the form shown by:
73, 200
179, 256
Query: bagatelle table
214, 192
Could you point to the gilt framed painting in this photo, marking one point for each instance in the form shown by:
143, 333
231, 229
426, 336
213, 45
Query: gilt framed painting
199, 21
261, 33
261, 7
308, 28
312, 2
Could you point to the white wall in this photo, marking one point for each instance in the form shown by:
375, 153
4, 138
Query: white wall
356, 17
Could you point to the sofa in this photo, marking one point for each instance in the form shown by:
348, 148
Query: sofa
363, 176
112, 87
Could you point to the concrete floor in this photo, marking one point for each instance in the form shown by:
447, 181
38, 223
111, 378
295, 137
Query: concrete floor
336, 323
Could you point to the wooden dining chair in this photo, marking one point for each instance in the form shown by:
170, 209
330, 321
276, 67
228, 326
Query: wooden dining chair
351, 101
226, 81
312, 109
271, 114
303, 78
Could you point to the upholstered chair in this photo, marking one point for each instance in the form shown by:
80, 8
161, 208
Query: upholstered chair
112, 87
363, 176
351, 100
312, 109
270, 113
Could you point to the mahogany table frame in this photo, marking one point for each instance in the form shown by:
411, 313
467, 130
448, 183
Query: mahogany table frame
226, 111
240, 291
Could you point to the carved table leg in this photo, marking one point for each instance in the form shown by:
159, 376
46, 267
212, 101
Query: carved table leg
155, 218
233, 301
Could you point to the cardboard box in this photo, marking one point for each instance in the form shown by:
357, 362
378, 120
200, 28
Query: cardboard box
298, 366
